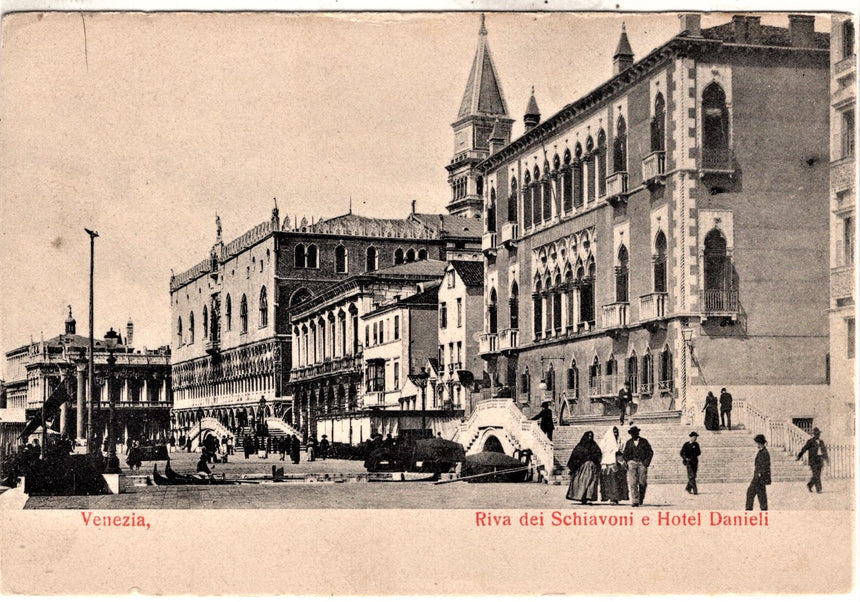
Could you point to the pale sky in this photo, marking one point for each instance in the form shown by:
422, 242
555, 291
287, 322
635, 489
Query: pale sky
150, 124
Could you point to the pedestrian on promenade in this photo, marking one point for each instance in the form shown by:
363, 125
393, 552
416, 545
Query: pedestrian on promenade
545, 417
817, 457
625, 399
613, 470
134, 457
638, 455
230, 445
324, 445
295, 450
761, 475
725, 409
246, 445
172, 442
712, 415
584, 465
690, 452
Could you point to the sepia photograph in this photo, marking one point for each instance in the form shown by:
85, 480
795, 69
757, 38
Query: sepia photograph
438, 302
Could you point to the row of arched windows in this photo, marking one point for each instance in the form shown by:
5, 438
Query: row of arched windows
307, 256
564, 303
210, 326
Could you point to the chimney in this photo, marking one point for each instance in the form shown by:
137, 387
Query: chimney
691, 23
129, 333
532, 115
413, 206
801, 30
754, 30
497, 138
739, 28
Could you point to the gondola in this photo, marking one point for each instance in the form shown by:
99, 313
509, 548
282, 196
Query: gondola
156, 476
174, 478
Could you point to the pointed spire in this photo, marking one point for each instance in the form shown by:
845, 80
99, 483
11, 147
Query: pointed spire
623, 57
483, 95
532, 114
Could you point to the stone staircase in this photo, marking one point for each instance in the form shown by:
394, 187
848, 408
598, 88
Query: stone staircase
727, 456
280, 428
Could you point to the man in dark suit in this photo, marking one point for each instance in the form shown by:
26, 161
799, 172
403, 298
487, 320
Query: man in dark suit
625, 397
817, 457
726, 408
761, 475
638, 455
690, 452
545, 417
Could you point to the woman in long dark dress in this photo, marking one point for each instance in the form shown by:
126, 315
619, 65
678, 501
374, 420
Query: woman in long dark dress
584, 465
295, 450
712, 414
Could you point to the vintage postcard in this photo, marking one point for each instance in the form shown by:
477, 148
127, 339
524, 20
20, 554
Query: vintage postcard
439, 303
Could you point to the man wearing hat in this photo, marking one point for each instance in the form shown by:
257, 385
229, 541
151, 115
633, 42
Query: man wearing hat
637, 454
817, 457
545, 417
690, 452
761, 475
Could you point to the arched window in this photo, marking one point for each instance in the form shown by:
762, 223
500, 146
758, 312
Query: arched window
536, 200
410, 255
340, 260
666, 370
479, 186
512, 202
191, 329
527, 201
611, 372
573, 379
243, 314
658, 124
717, 268
590, 163
594, 377
228, 312
632, 376
312, 257
556, 305
601, 163
515, 305
264, 308
526, 383
619, 150
537, 310
179, 330
398, 256
586, 293
492, 313
371, 259
547, 198
422, 254
622, 276
491, 211
715, 127
205, 322
549, 378
578, 178
567, 183
646, 383
660, 263
300, 260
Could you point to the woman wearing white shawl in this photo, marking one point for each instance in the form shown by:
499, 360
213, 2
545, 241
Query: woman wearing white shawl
613, 475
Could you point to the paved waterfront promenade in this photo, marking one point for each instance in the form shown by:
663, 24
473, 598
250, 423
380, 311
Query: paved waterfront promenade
837, 495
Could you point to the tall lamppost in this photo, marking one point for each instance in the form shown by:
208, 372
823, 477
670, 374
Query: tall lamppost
91, 371
111, 341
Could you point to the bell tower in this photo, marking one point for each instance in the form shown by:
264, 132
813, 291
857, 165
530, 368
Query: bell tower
483, 107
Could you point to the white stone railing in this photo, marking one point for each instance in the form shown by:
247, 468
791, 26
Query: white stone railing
282, 425
208, 423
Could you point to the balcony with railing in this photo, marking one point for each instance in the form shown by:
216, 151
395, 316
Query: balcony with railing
509, 338
652, 307
605, 386
615, 315
489, 343
842, 179
716, 161
616, 187
488, 243
654, 167
720, 302
510, 234
213, 345
842, 282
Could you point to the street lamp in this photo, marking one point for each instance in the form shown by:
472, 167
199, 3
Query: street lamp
111, 341
687, 333
91, 371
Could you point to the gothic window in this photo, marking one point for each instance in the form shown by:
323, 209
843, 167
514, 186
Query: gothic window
549, 378
586, 293
536, 200
537, 310
264, 308
660, 263
601, 163
398, 256
515, 305
622, 276
632, 376
573, 379
847, 142
179, 330
312, 257
556, 304
300, 260
666, 370
717, 266
228, 312
658, 124
594, 375
410, 255
491, 211
492, 312
611, 368
619, 149
590, 162
371, 259
525, 383
479, 186
578, 178
847, 38
527, 201
715, 127
340, 257
422, 254
547, 198
646, 383
205, 322
566, 184
512, 202
243, 314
